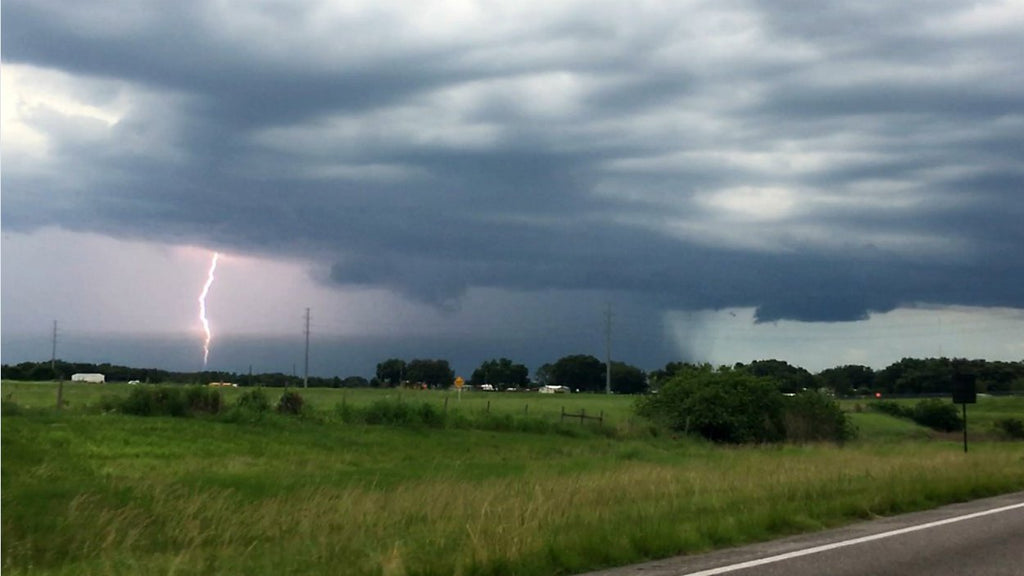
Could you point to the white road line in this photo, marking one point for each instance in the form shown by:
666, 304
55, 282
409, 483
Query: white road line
844, 543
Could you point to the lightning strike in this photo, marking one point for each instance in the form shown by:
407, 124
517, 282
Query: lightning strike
202, 308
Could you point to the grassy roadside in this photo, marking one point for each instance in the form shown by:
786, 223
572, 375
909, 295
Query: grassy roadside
616, 409
87, 493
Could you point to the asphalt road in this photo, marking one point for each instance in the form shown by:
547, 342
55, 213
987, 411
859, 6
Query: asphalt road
983, 537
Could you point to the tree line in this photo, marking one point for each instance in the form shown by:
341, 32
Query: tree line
61, 370
584, 373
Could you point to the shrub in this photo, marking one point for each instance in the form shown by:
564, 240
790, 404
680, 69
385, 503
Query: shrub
165, 401
162, 401
892, 408
812, 416
1011, 427
934, 413
393, 412
110, 403
430, 416
938, 415
200, 399
726, 406
290, 403
254, 400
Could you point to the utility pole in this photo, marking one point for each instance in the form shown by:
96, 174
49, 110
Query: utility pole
53, 369
305, 373
53, 350
608, 350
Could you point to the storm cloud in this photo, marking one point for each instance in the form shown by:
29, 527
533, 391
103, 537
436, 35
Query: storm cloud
816, 161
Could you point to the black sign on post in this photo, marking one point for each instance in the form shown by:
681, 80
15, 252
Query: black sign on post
964, 393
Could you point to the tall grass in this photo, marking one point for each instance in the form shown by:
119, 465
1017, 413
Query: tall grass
616, 408
111, 494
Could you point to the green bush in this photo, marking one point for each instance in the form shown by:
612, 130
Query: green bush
430, 416
938, 415
165, 401
813, 416
892, 408
109, 403
391, 412
290, 403
254, 400
161, 401
1011, 427
934, 413
202, 400
725, 406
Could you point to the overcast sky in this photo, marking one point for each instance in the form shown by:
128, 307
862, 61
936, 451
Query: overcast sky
820, 182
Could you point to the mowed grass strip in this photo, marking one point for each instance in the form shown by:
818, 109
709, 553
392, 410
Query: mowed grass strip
91, 493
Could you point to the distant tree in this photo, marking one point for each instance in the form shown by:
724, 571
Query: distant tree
42, 372
433, 373
502, 372
544, 375
846, 380
998, 376
788, 378
673, 369
391, 372
628, 379
912, 376
579, 371
355, 382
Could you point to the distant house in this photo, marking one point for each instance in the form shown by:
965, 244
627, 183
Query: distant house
86, 377
555, 390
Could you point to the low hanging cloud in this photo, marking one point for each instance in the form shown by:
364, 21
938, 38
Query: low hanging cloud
814, 161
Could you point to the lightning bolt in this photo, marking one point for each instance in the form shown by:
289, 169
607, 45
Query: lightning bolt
202, 308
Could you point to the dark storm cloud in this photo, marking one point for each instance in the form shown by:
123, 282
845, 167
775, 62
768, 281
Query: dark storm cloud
816, 161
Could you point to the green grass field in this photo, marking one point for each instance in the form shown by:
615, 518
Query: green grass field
981, 418
91, 493
616, 409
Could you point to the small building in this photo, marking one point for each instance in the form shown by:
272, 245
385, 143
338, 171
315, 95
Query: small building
555, 390
86, 377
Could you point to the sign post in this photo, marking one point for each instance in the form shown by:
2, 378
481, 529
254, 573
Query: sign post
458, 386
964, 393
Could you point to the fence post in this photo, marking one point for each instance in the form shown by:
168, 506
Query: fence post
600, 419
562, 419
583, 414
445, 404
488, 406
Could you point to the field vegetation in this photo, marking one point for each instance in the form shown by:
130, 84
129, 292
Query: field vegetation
317, 490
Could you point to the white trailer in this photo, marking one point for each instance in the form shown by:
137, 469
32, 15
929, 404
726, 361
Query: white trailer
86, 377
